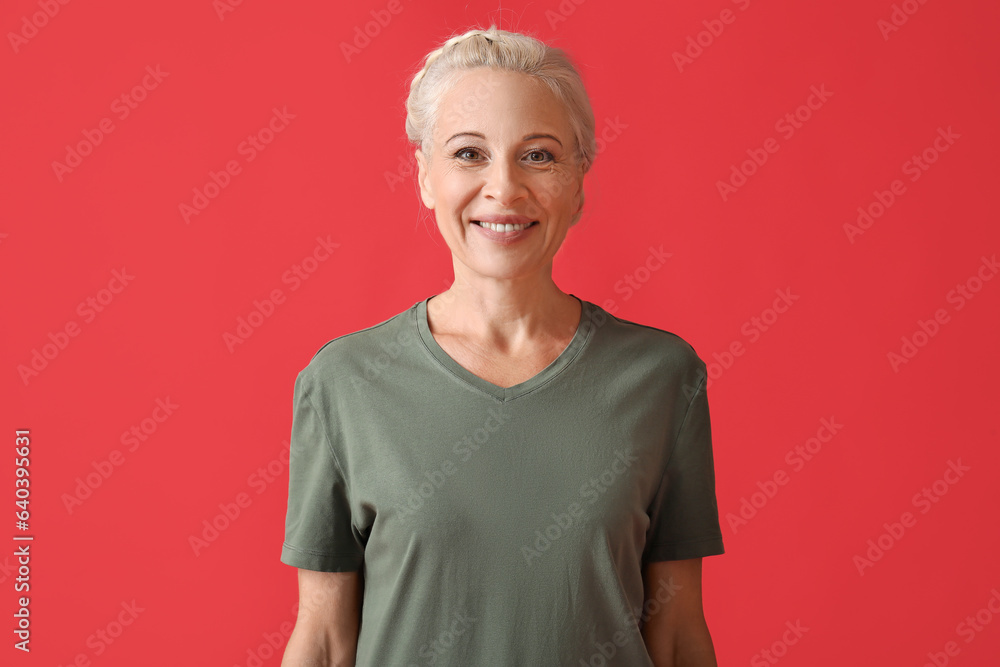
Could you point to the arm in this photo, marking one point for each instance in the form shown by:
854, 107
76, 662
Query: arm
677, 634
326, 628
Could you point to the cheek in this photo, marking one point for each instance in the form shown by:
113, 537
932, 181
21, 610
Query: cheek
457, 189
556, 190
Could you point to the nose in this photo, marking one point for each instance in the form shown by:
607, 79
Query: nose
504, 182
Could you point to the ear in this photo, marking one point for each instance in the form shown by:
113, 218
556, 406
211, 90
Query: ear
426, 194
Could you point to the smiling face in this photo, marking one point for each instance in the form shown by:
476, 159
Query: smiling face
502, 151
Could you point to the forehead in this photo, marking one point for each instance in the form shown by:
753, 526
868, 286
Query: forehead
486, 98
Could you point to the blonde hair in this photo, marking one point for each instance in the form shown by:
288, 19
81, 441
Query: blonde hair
504, 50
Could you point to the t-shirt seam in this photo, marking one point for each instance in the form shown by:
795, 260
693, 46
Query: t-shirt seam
449, 371
414, 311
659, 329
503, 400
680, 431
710, 538
583, 344
329, 445
334, 554
353, 333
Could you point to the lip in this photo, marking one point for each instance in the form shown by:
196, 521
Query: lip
505, 238
504, 219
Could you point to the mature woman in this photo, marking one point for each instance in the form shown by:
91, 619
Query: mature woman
504, 473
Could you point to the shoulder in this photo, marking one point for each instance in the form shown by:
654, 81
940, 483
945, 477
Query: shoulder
645, 343
372, 347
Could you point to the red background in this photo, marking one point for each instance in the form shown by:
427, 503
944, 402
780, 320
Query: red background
339, 169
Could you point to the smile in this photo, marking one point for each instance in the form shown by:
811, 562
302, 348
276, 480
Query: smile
503, 228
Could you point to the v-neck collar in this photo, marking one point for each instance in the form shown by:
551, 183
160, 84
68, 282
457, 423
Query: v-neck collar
584, 332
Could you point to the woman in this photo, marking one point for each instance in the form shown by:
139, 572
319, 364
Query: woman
504, 473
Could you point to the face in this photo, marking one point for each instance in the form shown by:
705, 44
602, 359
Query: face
503, 150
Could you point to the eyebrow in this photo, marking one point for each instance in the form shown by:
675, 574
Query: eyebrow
528, 137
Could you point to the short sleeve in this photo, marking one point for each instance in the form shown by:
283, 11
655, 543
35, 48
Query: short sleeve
684, 514
318, 529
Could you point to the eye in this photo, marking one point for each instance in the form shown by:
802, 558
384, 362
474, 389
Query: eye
545, 155
462, 153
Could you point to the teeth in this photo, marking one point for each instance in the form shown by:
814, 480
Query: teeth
502, 228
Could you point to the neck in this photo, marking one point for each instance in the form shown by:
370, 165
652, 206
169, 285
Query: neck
504, 314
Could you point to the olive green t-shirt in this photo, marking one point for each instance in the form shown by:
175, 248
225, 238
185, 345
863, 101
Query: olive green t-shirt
501, 526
